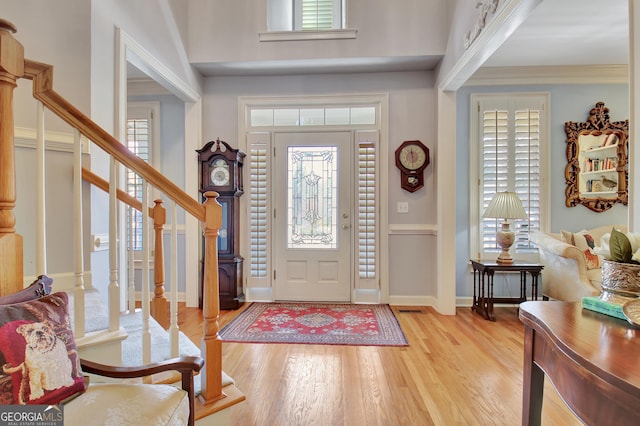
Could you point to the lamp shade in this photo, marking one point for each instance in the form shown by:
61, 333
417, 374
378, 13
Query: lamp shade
505, 205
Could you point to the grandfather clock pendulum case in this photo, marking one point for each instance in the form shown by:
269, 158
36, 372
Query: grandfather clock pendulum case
221, 171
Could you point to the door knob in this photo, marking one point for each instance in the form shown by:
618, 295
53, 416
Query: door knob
345, 226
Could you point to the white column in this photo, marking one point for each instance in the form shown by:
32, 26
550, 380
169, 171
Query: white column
445, 168
634, 102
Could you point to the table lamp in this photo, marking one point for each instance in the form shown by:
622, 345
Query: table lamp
505, 205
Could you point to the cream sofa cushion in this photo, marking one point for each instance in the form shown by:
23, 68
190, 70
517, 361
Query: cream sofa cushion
115, 404
565, 275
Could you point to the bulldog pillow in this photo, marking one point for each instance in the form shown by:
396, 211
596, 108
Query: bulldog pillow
38, 355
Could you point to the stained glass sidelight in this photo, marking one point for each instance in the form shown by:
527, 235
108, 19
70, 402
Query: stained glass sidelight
312, 197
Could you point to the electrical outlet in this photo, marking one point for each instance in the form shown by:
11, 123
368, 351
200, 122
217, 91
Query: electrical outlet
403, 207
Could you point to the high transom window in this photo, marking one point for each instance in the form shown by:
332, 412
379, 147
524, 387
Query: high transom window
305, 15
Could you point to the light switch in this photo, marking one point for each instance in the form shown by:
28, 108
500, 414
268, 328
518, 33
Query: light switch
403, 207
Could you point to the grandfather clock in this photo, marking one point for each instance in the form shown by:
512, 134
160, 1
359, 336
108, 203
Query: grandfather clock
221, 171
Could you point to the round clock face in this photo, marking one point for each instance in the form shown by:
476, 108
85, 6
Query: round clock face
412, 157
220, 173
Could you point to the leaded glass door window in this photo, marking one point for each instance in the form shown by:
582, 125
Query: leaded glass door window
311, 189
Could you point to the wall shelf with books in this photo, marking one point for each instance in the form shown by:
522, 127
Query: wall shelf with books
598, 159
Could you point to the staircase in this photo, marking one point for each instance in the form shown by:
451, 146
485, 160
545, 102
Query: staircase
215, 394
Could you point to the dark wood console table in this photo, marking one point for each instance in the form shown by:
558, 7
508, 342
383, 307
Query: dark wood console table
483, 272
591, 359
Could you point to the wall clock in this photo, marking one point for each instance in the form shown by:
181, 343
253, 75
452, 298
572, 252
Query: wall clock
221, 171
412, 157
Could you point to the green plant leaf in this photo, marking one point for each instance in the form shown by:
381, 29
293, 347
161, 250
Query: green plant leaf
620, 247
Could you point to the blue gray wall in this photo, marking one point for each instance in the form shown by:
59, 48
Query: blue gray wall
568, 103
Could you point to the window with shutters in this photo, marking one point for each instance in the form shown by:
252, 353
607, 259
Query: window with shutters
509, 140
305, 15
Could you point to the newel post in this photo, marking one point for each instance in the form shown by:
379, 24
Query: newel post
211, 347
11, 68
159, 304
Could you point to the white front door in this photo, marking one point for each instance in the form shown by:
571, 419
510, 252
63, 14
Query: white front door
313, 216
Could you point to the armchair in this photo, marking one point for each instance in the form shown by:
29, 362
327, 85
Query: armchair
136, 404
40, 364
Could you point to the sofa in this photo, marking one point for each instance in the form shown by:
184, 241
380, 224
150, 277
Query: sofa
571, 264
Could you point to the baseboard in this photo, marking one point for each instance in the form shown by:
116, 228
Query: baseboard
464, 301
412, 300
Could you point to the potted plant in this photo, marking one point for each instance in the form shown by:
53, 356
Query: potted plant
621, 271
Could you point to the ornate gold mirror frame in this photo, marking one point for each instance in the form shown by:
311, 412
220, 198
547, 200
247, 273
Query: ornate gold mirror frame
597, 161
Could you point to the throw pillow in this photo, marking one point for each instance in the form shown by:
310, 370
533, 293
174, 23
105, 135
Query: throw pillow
39, 358
40, 287
586, 244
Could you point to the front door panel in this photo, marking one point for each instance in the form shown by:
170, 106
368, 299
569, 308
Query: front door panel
313, 216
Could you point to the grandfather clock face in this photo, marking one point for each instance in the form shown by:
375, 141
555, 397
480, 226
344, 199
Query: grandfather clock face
219, 174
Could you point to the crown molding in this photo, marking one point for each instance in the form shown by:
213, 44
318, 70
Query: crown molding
565, 74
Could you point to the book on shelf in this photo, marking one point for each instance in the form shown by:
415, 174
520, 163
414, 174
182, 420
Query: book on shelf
608, 305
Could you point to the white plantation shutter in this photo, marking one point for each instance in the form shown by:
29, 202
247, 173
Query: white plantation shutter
509, 156
366, 232
494, 168
527, 173
317, 14
259, 217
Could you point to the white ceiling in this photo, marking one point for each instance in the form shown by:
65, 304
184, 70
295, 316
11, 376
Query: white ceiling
558, 32
569, 32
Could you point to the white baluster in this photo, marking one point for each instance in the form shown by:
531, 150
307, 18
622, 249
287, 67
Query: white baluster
146, 293
78, 293
173, 328
131, 261
41, 230
114, 291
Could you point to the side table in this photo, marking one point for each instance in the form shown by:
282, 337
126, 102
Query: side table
483, 272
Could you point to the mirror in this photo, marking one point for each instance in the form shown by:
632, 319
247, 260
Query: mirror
597, 171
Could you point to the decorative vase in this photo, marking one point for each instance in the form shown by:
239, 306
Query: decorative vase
621, 278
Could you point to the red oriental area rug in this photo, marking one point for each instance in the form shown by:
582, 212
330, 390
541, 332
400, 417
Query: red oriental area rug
320, 324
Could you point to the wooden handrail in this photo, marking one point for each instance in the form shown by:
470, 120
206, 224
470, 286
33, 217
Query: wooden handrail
42, 76
101, 183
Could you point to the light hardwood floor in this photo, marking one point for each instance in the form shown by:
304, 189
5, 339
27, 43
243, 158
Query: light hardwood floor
457, 370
